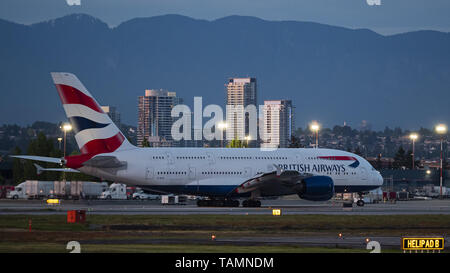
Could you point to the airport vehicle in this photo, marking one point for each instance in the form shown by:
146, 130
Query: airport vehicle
173, 199
130, 191
91, 190
116, 191
434, 191
141, 195
221, 174
35, 189
373, 196
4, 190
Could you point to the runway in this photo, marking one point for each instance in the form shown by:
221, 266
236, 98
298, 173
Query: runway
288, 207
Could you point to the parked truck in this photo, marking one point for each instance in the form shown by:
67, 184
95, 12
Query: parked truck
115, 191
434, 191
35, 189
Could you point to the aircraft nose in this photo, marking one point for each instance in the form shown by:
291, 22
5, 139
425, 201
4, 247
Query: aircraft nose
378, 179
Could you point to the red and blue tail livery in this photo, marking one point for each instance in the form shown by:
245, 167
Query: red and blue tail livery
95, 133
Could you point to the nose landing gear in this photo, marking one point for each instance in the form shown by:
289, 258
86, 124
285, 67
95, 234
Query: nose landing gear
360, 202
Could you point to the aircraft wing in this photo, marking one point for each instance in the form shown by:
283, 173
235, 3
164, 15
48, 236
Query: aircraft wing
273, 183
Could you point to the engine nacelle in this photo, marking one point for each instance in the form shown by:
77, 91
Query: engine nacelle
316, 188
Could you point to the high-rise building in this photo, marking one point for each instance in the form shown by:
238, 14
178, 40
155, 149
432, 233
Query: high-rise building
278, 123
111, 111
155, 120
241, 92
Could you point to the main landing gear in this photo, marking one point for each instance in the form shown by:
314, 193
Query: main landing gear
251, 203
218, 203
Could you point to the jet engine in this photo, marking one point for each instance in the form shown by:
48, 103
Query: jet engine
316, 188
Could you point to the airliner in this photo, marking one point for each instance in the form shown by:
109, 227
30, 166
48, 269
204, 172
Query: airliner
222, 176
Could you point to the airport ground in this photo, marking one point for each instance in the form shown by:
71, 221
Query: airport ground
147, 226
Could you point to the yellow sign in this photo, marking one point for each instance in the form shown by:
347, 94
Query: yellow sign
436, 243
276, 212
52, 201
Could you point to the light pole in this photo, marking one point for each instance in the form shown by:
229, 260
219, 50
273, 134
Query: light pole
247, 138
441, 129
315, 127
413, 137
222, 127
66, 128
59, 140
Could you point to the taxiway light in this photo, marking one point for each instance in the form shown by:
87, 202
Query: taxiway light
53, 201
276, 212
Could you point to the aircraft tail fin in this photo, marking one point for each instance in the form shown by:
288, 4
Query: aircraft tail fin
95, 132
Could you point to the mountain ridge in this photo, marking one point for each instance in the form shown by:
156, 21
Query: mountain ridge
355, 74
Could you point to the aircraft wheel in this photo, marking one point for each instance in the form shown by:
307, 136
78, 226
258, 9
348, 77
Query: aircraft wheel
360, 203
219, 203
200, 203
251, 203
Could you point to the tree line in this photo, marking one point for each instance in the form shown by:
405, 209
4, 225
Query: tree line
43, 146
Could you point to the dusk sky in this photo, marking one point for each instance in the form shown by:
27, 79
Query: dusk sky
404, 67
392, 16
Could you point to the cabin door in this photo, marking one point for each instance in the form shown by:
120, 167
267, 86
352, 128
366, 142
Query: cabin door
148, 173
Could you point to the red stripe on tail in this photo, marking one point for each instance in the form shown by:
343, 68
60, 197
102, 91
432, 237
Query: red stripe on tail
95, 147
71, 95
99, 146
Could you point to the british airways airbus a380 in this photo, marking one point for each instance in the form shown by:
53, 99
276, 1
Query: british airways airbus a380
224, 175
